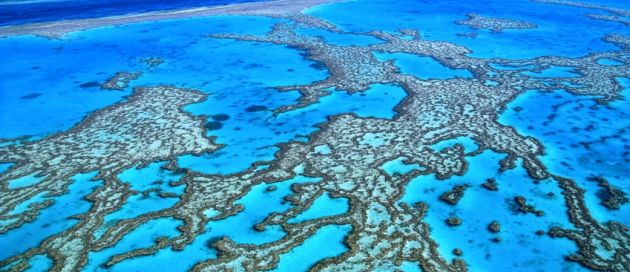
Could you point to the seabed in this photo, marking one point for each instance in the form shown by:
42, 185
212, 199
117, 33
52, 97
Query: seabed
321, 135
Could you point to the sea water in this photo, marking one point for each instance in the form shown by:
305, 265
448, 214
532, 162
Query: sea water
49, 85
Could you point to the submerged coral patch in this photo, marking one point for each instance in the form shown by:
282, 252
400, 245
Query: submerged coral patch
391, 149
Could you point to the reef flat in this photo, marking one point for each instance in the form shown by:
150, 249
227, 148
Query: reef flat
497, 164
495, 24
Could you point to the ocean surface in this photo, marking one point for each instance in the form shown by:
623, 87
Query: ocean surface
51, 87
16, 12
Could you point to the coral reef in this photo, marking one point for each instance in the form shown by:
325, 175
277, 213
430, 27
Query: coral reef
120, 80
476, 21
453, 196
151, 126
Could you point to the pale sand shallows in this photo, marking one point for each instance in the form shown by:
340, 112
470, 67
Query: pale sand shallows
289, 9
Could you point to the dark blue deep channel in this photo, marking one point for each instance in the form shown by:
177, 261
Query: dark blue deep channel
17, 12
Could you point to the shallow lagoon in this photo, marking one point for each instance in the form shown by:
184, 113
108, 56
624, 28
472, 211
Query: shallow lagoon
258, 204
42, 93
189, 61
53, 219
593, 148
436, 21
33, 65
479, 207
422, 67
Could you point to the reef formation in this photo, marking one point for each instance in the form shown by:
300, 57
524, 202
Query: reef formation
347, 154
476, 21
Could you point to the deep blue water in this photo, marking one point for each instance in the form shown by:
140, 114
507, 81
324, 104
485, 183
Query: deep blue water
21, 12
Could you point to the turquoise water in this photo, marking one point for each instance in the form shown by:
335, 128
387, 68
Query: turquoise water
243, 149
47, 68
5, 166
436, 21
399, 167
479, 207
25, 181
609, 62
47, 86
410, 267
51, 220
554, 71
323, 206
153, 178
340, 39
325, 243
40, 263
422, 67
142, 237
108, 50
550, 116
468, 144
258, 204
